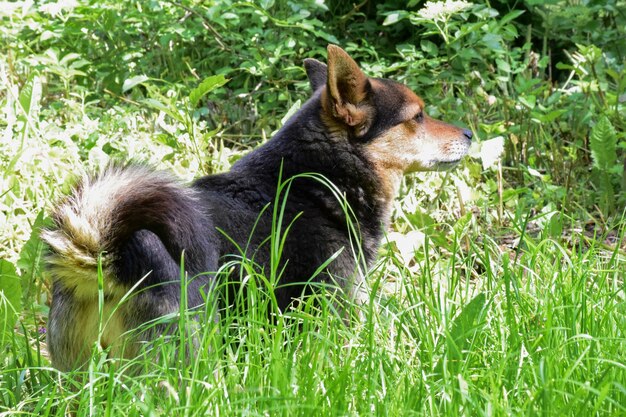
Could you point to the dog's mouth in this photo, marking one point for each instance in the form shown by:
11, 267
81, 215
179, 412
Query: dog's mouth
452, 158
446, 165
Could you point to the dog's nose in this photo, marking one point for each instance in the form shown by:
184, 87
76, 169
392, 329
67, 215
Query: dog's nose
468, 133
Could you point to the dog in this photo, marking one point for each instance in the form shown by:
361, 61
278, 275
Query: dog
344, 152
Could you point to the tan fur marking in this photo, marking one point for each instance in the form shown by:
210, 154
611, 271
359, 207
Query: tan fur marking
385, 153
414, 104
410, 111
86, 329
114, 315
414, 146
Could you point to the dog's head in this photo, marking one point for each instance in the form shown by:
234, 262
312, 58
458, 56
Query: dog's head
385, 117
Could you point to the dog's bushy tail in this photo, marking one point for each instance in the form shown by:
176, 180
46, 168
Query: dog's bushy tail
127, 216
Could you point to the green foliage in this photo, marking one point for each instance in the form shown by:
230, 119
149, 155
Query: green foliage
462, 334
10, 301
185, 119
602, 143
500, 289
30, 261
205, 87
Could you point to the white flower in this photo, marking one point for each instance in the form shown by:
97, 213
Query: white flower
55, 9
442, 9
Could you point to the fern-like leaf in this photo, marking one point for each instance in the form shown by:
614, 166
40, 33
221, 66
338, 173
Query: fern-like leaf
602, 143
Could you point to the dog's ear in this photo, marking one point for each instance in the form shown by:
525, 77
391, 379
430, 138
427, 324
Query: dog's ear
348, 87
317, 73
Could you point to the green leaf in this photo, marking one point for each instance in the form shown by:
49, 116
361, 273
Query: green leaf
466, 324
133, 82
429, 47
10, 300
30, 95
292, 110
503, 66
528, 101
463, 329
209, 84
602, 143
554, 228
167, 140
394, 17
461, 224
26, 95
493, 41
69, 58
605, 194
510, 16
552, 116
31, 257
170, 111
326, 36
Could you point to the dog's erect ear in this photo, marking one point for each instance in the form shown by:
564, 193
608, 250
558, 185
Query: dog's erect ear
347, 88
317, 72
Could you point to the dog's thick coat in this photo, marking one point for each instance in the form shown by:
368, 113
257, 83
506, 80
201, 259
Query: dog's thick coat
360, 133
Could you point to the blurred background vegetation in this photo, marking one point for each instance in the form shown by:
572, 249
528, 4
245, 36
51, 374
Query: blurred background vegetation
539, 74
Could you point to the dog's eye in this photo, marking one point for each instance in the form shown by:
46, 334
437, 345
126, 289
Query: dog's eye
419, 116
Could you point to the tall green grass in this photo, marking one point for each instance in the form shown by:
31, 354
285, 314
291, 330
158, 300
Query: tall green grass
540, 334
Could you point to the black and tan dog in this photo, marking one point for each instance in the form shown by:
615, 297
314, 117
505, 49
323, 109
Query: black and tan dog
360, 133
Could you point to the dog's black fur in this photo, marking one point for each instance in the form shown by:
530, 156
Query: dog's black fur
140, 221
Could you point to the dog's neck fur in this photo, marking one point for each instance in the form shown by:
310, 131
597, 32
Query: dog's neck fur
328, 151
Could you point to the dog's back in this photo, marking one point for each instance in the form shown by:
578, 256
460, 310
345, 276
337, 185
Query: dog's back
322, 178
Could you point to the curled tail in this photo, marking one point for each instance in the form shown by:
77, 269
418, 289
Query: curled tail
137, 221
